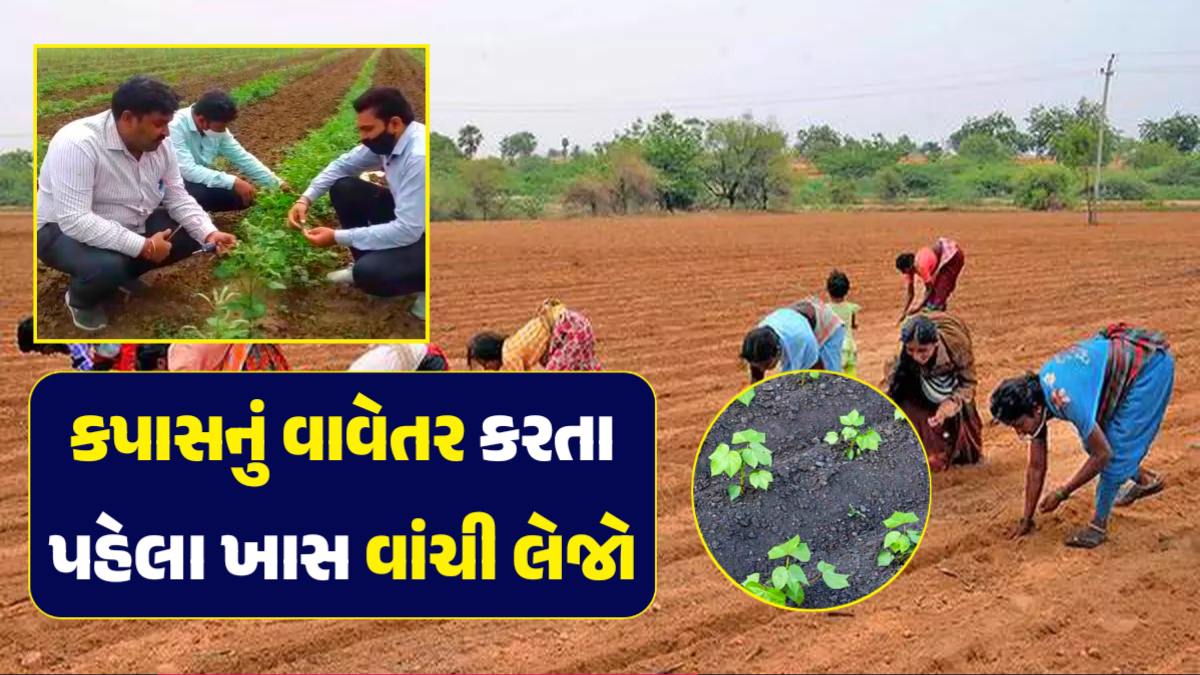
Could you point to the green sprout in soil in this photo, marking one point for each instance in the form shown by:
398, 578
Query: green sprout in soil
898, 414
746, 397
898, 543
788, 580
857, 441
227, 320
743, 462
854, 512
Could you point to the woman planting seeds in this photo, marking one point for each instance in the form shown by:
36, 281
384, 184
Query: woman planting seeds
1114, 388
807, 334
557, 338
938, 266
933, 381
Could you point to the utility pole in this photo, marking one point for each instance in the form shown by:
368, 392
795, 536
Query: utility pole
1095, 203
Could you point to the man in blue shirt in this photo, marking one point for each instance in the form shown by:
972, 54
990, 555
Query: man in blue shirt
384, 228
201, 134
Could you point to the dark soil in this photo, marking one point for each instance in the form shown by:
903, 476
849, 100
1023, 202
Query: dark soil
814, 485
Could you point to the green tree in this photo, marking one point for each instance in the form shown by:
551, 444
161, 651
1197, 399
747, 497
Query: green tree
932, 150
1149, 154
998, 125
520, 144
442, 151
469, 140
566, 146
16, 182
740, 154
817, 140
1047, 123
485, 181
675, 149
1179, 130
983, 149
891, 184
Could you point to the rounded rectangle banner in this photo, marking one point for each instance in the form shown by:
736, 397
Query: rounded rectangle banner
342, 495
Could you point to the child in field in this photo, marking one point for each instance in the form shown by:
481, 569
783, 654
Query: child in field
838, 287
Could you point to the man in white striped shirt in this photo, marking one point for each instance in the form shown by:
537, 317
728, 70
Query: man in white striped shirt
99, 192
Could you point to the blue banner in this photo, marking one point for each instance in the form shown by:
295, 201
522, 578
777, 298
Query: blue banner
322, 495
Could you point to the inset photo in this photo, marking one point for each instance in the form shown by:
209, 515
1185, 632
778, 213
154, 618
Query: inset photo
230, 193
811, 490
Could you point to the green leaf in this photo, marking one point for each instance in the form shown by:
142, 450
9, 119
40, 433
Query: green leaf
814, 375
796, 594
831, 577
786, 548
757, 436
853, 419
743, 436
753, 578
761, 479
761, 452
885, 558
891, 538
831, 438
868, 441
797, 575
898, 414
913, 535
849, 433
734, 464
746, 397
779, 577
903, 544
900, 518
718, 461
749, 457
801, 552
734, 491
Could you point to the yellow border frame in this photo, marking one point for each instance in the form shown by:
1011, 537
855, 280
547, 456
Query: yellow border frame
29, 519
428, 178
809, 610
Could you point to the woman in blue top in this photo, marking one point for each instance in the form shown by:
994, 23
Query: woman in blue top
808, 334
1114, 389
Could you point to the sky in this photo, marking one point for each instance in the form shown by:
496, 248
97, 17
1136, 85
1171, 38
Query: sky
584, 70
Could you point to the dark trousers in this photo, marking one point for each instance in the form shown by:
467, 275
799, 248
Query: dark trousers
385, 272
214, 199
96, 273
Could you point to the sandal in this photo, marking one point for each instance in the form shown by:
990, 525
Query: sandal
1088, 537
1131, 491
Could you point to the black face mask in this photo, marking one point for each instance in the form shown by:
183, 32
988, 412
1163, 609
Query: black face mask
383, 144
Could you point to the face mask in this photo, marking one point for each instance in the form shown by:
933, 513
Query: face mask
383, 144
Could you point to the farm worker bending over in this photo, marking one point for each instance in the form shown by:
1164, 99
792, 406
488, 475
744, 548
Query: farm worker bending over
806, 335
938, 266
201, 135
556, 337
1114, 389
933, 381
98, 356
226, 357
383, 227
402, 358
99, 191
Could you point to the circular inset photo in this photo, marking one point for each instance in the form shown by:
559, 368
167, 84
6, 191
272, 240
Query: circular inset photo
811, 490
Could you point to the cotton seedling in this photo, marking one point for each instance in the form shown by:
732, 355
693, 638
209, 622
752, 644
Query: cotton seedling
855, 512
898, 414
898, 542
225, 321
788, 579
746, 397
857, 441
743, 462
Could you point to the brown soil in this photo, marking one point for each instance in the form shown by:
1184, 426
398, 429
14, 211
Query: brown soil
188, 87
397, 69
670, 298
171, 73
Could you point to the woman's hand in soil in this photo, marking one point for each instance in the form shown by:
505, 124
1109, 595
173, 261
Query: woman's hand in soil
1051, 501
1024, 526
223, 240
321, 237
945, 410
